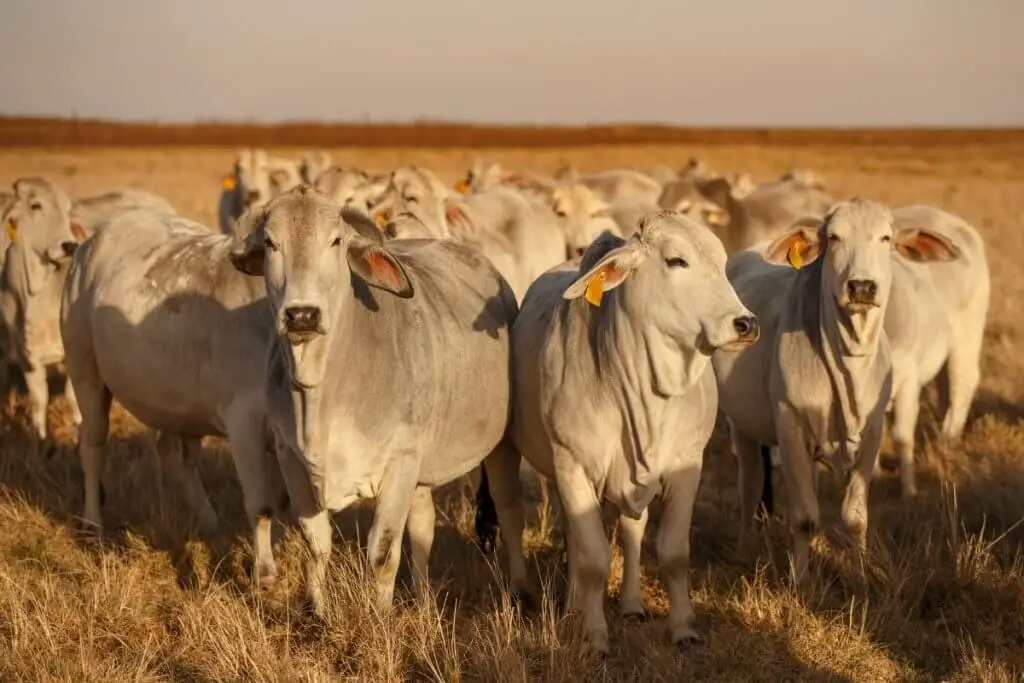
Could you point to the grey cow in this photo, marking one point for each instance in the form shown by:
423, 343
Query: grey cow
818, 383
389, 375
155, 315
615, 398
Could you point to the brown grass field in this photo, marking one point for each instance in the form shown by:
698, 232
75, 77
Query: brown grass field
942, 597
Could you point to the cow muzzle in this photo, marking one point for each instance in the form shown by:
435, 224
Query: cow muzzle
302, 323
861, 295
747, 332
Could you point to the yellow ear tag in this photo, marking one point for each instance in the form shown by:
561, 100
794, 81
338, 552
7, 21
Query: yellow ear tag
12, 230
381, 219
228, 182
595, 288
794, 255
462, 186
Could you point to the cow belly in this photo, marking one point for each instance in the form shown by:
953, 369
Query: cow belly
164, 398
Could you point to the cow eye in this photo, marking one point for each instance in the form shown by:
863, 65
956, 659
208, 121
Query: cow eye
269, 244
36, 207
886, 238
677, 262
410, 200
336, 242
560, 213
833, 238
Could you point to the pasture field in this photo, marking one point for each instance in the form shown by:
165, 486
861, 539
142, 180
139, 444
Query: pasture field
941, 597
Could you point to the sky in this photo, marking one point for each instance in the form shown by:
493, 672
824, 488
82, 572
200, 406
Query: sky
707, 63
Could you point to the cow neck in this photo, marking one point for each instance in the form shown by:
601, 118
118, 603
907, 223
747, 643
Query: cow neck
848, 346
642, 368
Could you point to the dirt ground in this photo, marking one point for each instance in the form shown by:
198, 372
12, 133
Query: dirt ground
941, 598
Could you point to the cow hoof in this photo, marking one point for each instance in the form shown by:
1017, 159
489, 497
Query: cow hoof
524, 602
635, 615
687, 638
597, 643
266, 578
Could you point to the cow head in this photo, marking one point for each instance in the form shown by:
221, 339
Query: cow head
854, 243
678, 294
307, 249
38, 220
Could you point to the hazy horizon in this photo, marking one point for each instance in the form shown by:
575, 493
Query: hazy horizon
736, 63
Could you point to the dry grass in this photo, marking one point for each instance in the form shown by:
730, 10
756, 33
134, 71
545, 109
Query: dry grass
941, 598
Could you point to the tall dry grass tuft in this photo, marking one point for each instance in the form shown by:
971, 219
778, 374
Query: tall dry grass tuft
939, 597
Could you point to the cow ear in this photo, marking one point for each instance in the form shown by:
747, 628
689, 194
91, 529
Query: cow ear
920, 246
717, 190
78, 231
249, 247
607, 274
378, 268
798, 246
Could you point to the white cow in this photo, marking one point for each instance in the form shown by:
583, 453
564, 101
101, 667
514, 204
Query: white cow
40, 239
155, 315
255, 179
818, 384
30, 289
351, 187
520, 238
619, 185
615, 398
389, 375
584, 215
935, 319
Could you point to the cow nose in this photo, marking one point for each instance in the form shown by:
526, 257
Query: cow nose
576, 252
862, 290
746, 326
302, 318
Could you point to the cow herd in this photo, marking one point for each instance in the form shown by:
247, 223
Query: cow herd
357, 335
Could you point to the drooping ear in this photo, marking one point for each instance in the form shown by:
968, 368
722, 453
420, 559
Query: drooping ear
378, 268
798, 246
248, 249
607, 274
920, 246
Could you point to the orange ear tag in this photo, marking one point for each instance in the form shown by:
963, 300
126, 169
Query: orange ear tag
12, 230
595, 288
228, 182
795, 255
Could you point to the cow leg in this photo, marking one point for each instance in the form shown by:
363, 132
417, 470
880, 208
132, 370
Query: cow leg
963, 372
591, 554
394, 501
906, 407
506, 489
421, 537
69, 396
751, 485
262, 490
314, 521
178, 456
855, 502
94, 401
632, 534
38, 397
674, 550
800, 473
